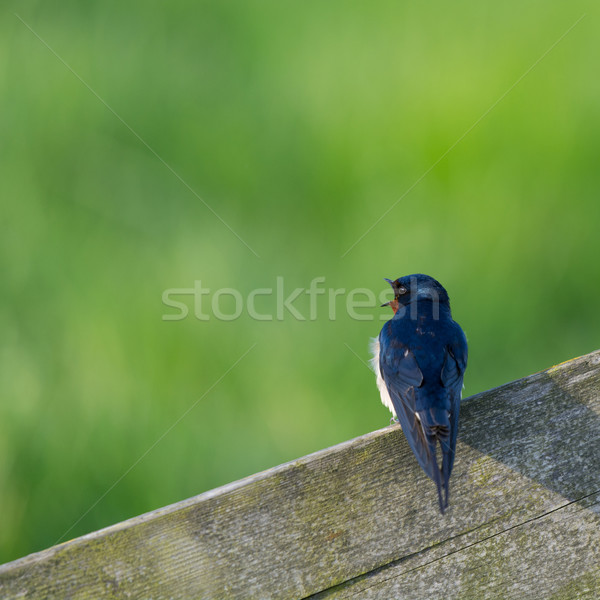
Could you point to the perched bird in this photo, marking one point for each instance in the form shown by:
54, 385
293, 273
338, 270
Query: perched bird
420, 359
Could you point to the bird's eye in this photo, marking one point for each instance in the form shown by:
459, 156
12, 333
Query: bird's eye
402, 290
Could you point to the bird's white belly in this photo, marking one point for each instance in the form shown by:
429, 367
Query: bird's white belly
383, 392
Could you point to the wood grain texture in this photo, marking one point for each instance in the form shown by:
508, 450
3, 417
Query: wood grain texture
361, 519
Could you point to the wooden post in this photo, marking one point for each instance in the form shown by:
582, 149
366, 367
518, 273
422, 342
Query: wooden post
361, 519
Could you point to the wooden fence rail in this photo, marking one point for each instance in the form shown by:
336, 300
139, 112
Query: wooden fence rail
360, 520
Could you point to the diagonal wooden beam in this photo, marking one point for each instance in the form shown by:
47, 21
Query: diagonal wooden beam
361, 519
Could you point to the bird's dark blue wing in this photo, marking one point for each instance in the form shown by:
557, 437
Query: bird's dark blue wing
453, 370
402, 376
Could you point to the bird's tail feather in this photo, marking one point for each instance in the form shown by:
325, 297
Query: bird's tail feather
446, 455
440, 473
440, 485
436, 426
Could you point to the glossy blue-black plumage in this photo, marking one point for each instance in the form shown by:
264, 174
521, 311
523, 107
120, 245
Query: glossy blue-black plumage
422, 360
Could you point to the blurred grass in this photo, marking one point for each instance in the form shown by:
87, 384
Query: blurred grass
300, 123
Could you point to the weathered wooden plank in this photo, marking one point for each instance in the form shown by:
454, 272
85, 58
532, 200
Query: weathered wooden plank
527, 450
556, 555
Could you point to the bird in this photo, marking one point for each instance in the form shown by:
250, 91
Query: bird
419, 359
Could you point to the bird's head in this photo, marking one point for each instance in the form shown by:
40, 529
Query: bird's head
416, 287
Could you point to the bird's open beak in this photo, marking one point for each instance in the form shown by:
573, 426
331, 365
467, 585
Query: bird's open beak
392, 284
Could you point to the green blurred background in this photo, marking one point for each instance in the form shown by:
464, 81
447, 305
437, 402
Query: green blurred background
300, 124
